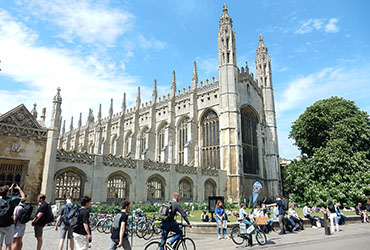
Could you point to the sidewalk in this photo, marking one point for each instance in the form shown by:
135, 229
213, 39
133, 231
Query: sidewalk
205, 241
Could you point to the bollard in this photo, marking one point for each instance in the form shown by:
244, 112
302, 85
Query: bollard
327, 229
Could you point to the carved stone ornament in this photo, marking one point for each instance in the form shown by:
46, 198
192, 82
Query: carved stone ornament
16, 147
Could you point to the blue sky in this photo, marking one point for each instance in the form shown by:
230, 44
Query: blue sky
96, 50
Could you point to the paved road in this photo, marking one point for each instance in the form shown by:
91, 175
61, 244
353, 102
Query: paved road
352, 236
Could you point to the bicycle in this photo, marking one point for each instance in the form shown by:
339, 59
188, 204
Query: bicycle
240, 233
183, 243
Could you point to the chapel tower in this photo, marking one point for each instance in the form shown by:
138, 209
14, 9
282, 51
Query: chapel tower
264, 80
230, 145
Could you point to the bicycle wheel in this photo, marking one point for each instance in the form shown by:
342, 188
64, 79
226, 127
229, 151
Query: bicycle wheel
149, 231
100, 226
154, 245
140, 232
186, 244
261, 238
236, 236
108, 223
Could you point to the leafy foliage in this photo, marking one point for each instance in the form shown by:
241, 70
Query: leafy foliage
334, 136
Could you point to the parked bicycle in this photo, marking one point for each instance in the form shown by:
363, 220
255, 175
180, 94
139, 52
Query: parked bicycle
183, 243
240, 233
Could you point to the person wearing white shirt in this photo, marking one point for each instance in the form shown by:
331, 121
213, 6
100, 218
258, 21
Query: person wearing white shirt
243, 215
307, 214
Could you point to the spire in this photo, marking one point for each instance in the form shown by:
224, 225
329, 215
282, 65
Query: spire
155, 92
99, 114
90, 118
173, 85
261, 48
111, 108
64, 127
225, 18
226, 40
138, 98
80, 121
56, 111
123, 106
195, 76
71, 126
34, 111
43, 114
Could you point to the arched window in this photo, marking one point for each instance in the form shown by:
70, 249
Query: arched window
117, 189
210, 140
155, 189
161, 141
185, 190
249, 123
182, 138
68, 183
209, 189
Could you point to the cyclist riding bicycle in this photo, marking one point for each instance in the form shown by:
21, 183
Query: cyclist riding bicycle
170, 225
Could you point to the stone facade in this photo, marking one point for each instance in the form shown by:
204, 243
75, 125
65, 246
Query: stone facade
212, 138
22, 150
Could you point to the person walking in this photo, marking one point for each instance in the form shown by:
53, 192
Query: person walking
20, 212
221, 220
7, 206
333, 216
119, 236
41, 219
82, 233
170, 225
64, 215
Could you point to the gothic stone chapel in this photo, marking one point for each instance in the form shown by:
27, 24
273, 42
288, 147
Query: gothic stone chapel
213, 138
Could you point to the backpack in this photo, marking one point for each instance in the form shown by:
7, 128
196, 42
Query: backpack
164, 211
49, 218
5, 213
285, 205
74, 221
116, 227
69, 213
26, 214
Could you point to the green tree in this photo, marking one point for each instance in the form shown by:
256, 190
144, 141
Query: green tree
333, 135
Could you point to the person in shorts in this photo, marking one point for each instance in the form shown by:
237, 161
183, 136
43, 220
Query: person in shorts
82, 233
19, 228
40, 220
65, 227
6, 220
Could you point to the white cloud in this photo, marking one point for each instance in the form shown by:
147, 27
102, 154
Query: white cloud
331, 26
85, 81
91, 22
320, 24
152, 43
207, 67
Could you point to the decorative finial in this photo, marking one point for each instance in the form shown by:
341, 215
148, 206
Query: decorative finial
43, 114
71, 126
225, 7
195, 75
260, 38
123, 106
34, 111
138, 98
80, 121
155, 92
99, 114
90, 118
64, 127
111, 108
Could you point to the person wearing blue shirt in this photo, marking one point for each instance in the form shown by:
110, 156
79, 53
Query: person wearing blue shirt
221, 220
